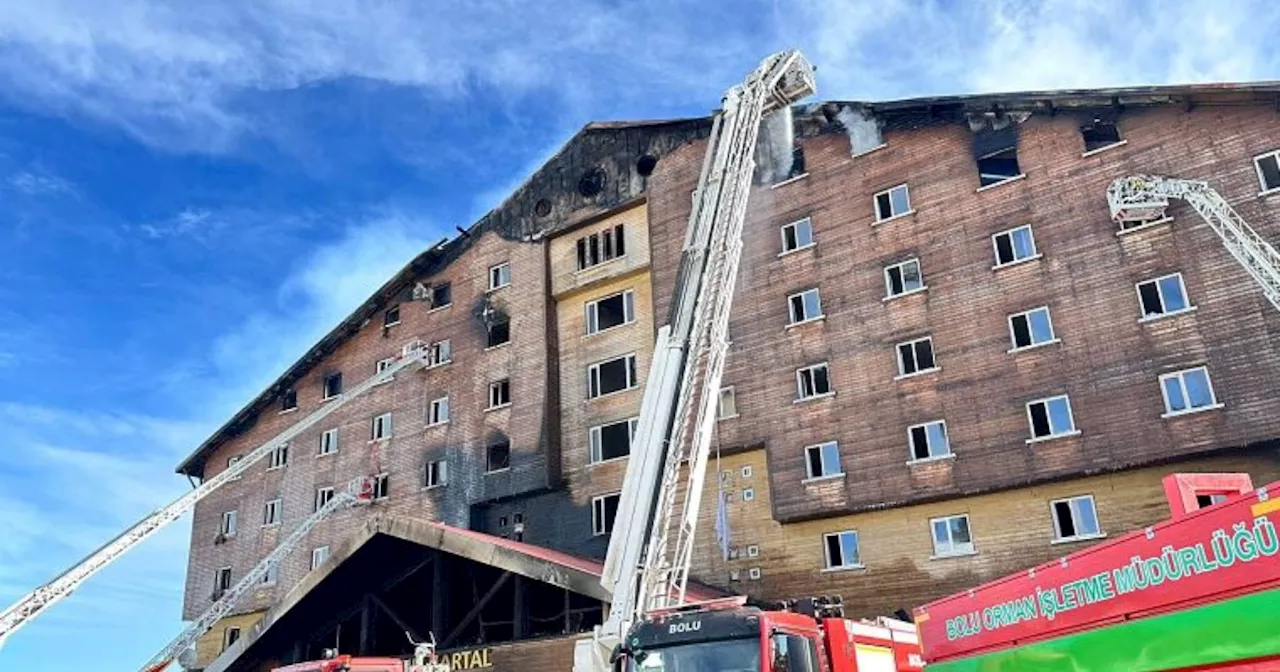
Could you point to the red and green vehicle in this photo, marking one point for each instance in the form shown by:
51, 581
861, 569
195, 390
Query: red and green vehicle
1200, 591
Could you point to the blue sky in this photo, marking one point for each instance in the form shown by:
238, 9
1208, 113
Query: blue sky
192, 192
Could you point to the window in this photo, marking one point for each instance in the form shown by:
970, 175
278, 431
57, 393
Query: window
221, 581
499, 276
797, 235
318, 556
842, 549
279, 456
438, 411
916, 357
1075, 518
754, 575
498, 457
383, 364
272, 575
497, 333
611, 311
813, 381
749, 495
323, 496
328, 442
441, 295
436, 474
332, 385
500, 393
797, 162
823, 460
231, 462
998, 166
728, 404
228, 527
1014, 245
612, 440
1187, 391
746, 471
951, 536
271, 512
603, 512
903, 278
1031, 328
440, 353
805, 306
380, 427
791, 653
1268, 167
600, 247
230, 636
1211, 499
1099, 134
929, 440
893, 202
753, 551
614, 375
1165, 295
289, 400
392, 317
381, 486
1050, 417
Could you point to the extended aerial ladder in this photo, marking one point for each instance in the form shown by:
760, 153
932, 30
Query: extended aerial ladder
1144, 197
36, 602
358, 492
645, 568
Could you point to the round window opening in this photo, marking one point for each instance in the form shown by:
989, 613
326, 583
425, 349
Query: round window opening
542, 208
646, 164
592, 182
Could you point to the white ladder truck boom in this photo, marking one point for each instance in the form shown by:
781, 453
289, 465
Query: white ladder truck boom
1145, 197
359, 491
34, 603
644, 569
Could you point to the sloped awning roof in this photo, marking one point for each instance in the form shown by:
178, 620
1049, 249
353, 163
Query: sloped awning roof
573, 573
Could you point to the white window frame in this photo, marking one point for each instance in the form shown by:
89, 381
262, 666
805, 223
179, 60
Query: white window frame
324, 386
968, 548
592, 314
382, 483
227, 640
875, 203
1263, 189
439, 353
217, 580
386, 316
383, 365
831, 388
795, 319
795, 227
324, 495
438, 411
731, 393
499, 275
1026, 315
946, 452
494, 389
1180, 375
318, 556
229, 524
595, 440
271, 576
440, 470
593, 375
272, 512
808, 463
380, 427
278, 458
599, 513
902, 364
830, 562
888, 284
995, 247
328, 442
1058, 537
748, 494
1052, 434
1182, 285
746, 471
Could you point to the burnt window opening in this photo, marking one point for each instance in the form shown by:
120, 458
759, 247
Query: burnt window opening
600, 247
289, 400
517, 518
333, 385
591, 183
498, 457
998, 166
542, 208
391, 317
604, 511
645, 165
797, 162
497, 334
1099, 134
441, 295
502, 521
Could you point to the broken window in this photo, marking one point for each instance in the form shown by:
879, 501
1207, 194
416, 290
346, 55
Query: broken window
611, 441
500, 393
279, 456
333, 385
892, 203
805, 306
381, 486
289, 400
604, 510
1075, 518
797, 161
813, 381
929, 440
797, 235
1031, 328
1099, 134
498, 456
441, 352
323, 496
611, 311
823, 460
1050, 417
221, 581
728, 404
997, 153
1165, 295
1268, 167
391, 317
614, 375
380, 427
951, 536
498, 333
436, 474
271, 512
903, 278
438, 411
602, 246
1186, 391
499, 276
230, 636
441, 295
1014, 245
328, 442
318, 556
228, 527
842, 549
916, 356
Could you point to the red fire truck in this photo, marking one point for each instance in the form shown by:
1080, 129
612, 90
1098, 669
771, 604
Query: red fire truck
1197, 592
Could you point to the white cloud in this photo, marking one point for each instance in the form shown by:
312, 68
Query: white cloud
39, 184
